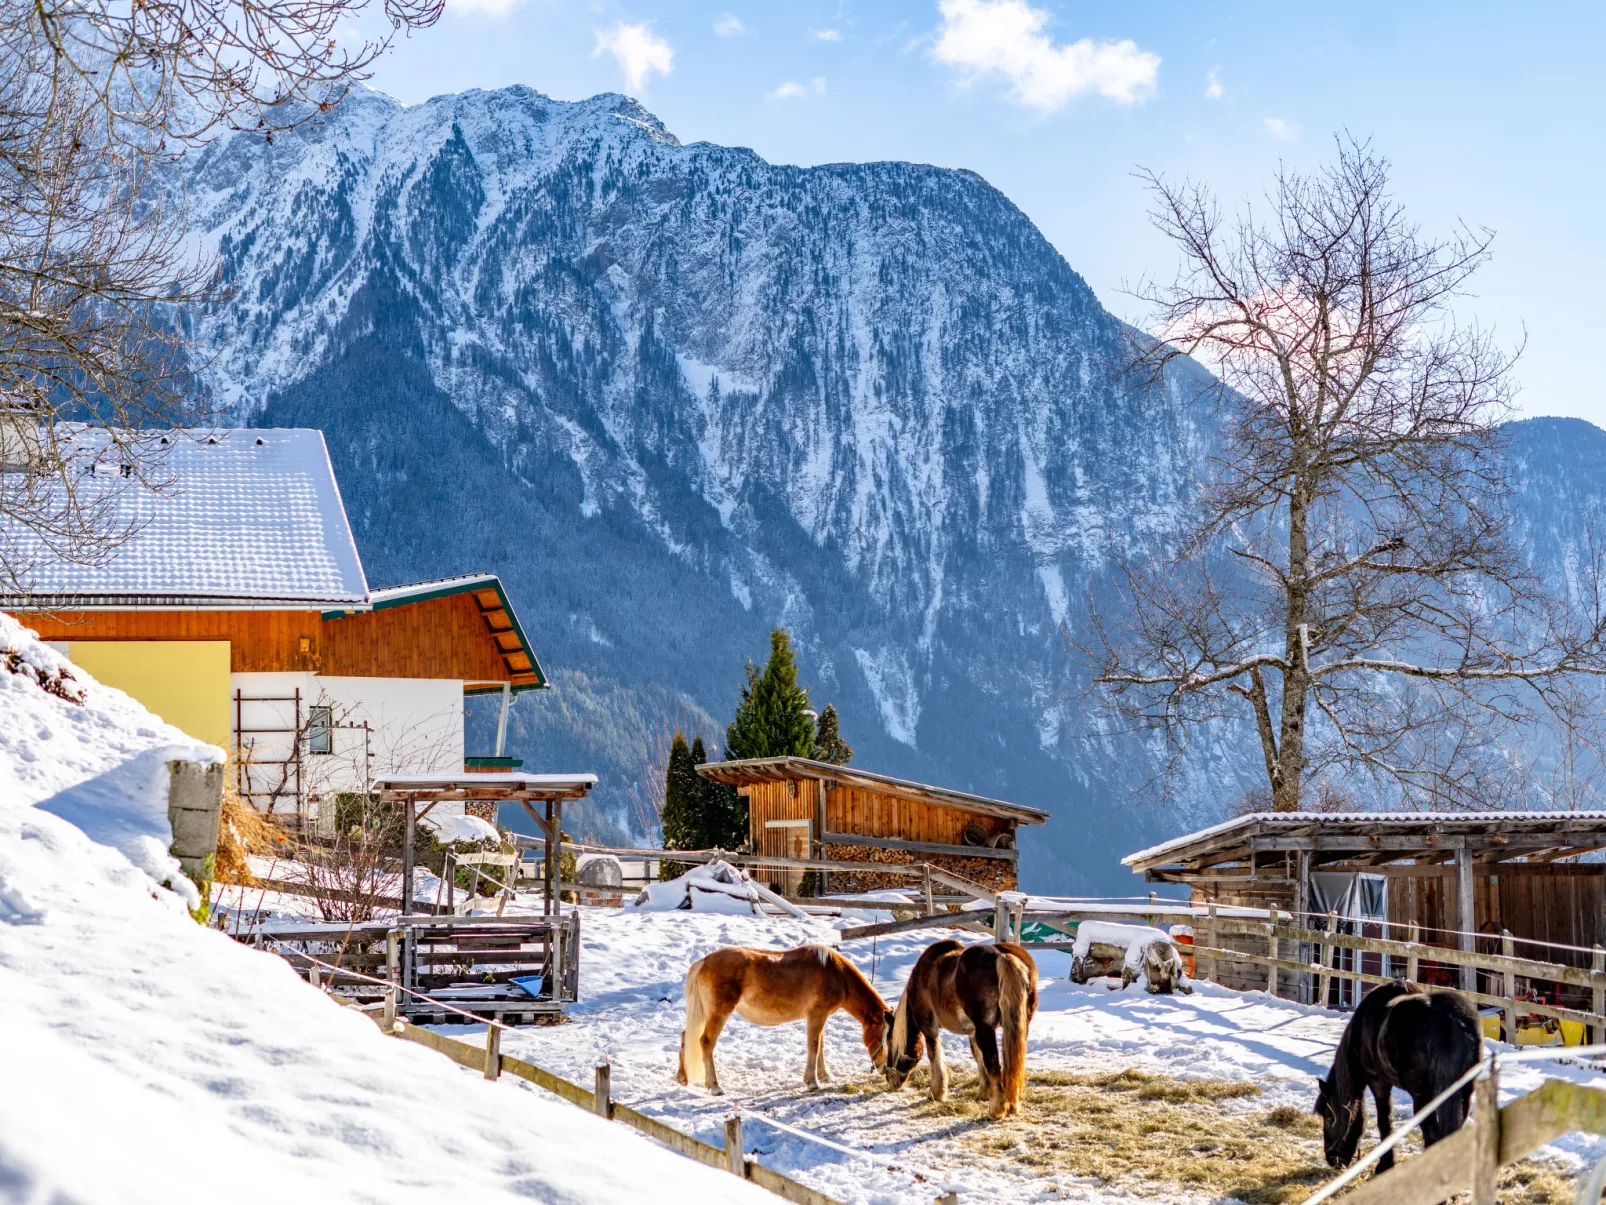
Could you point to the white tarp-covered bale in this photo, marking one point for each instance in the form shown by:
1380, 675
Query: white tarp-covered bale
1105, 948
716, 887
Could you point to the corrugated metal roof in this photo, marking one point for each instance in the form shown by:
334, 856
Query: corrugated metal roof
1360, 822
251, 518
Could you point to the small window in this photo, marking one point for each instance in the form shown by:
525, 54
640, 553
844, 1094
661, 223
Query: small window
320, 730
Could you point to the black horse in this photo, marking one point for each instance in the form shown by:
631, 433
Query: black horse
1399, 1037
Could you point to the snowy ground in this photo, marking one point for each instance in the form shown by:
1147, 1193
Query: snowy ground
148, 1059
632, 1010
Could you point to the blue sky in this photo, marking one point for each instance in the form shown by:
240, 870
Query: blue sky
1491, 114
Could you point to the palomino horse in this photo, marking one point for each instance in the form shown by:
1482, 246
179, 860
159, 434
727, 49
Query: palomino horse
973, 990
772, 987
1399, 1037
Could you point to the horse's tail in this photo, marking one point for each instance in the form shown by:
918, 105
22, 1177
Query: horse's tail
691, 1038
1016, 987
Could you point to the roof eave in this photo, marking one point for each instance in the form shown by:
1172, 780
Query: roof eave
803, 767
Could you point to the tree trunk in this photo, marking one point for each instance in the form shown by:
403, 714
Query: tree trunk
1296, 678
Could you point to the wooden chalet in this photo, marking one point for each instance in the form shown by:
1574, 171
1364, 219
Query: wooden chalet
237, 609
803, 809
1460, 877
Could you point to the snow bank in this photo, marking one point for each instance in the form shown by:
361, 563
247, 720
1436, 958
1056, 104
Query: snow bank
716, 887
148, 1056
99, 764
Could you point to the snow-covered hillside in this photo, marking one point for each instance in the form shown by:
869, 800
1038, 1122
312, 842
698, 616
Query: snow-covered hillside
149, 1059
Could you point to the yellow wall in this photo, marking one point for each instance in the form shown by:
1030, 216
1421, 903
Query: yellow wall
186, 682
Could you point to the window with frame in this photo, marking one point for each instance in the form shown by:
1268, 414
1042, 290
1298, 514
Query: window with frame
320, 730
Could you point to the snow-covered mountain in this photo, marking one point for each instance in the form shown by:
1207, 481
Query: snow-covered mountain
676, 395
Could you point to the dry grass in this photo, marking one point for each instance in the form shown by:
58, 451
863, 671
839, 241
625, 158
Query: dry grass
1132, 1130
242, 831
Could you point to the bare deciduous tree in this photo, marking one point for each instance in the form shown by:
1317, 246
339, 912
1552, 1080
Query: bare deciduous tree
1350, 585
96, 270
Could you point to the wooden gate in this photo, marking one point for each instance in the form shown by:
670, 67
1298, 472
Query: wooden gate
787, 839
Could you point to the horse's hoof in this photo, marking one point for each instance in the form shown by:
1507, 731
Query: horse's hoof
716, 1090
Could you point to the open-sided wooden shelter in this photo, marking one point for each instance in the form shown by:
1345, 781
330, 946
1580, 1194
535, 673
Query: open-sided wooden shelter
804, 809
484, 954
1455, 875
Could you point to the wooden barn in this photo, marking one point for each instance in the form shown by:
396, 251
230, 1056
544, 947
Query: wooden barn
237, 609
803, 809
1460, 877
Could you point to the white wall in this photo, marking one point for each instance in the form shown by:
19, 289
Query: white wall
414, 726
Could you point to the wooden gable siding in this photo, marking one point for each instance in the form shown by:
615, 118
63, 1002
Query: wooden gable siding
259, 641
871, 814
433, 638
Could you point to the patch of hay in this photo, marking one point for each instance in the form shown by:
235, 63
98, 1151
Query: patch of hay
1135, 1131
242, 832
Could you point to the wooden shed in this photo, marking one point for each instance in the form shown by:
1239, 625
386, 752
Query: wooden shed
798, 808
1461, 877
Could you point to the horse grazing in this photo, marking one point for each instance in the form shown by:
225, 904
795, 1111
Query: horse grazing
772, 987
973, 990
1399, 1037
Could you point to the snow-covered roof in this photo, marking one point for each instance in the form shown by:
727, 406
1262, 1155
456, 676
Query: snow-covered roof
436, 587
251, 518
503, 783
1364, 826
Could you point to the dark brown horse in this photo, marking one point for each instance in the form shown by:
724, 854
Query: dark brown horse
1399, 1037
976, 991
772, 987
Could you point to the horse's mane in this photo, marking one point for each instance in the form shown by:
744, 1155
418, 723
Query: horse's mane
852, 973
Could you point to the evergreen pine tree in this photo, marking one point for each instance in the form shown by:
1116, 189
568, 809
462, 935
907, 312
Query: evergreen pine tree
723, 811
684, 806
773, 718
829, 745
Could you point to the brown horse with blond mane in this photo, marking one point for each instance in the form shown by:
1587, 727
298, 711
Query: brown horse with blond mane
976, 991
772, 987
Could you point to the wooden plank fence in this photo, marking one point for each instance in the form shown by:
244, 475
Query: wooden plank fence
1471, 1157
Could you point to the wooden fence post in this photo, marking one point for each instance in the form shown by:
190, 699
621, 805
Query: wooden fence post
1598, 994
925, 888
1328, 952
392, 973
1486, 1120
1001, 920
1411, 936
1271, 953
493, 1051
602, 1092
1509, 986
1210, 941
735, 1158
312, 975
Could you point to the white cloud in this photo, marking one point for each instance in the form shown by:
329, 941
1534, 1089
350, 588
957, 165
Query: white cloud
1213, 88
491, 8
792, 90
1282, 129
828, 35
638, 51
1006, 37
729, 25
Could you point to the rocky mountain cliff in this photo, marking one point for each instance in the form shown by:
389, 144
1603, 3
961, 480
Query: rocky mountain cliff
676, 395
